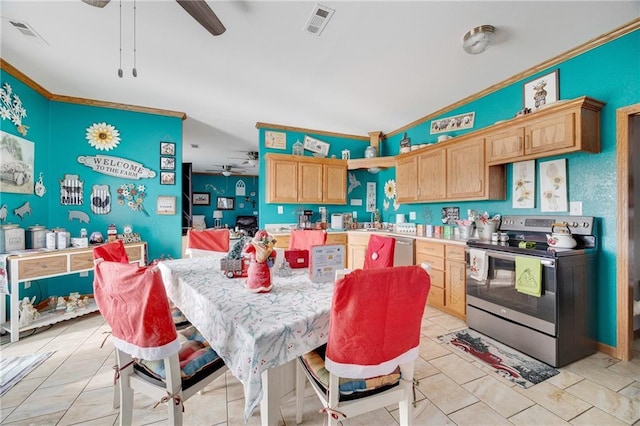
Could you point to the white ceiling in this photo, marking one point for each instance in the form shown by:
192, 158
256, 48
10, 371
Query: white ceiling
378, 65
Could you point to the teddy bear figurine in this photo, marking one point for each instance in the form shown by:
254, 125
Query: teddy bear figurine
28, 313
261, 252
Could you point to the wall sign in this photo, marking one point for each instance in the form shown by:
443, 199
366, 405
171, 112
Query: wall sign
116, 166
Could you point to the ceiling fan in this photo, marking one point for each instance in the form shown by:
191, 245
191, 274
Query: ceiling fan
198, 9
227, 170
251, 158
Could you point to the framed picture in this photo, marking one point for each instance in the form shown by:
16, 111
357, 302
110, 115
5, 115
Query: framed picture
166, 204
201, 198
455, 122
167, 163
167, 178
275, 140
315, 145
226, 203
542, 91
167, 148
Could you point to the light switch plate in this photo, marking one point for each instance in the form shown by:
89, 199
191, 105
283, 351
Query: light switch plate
280, 210
575, 208
355, 215
412, 215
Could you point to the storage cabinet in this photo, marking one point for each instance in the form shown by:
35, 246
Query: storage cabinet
421, 176
448, 275
295, 179
356, 250
46, 264
466, 170
565, 127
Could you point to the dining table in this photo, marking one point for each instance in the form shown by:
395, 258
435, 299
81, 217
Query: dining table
258, 335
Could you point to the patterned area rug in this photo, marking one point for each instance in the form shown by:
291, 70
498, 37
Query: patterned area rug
509, 363
14, 368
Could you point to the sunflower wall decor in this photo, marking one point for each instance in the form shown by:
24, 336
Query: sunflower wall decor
390, 193
11, 108
103, 136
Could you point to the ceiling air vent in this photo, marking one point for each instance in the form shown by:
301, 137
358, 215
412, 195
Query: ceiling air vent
26, 30
318, 19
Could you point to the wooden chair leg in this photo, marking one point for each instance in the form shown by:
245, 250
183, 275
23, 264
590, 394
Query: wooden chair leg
300, 383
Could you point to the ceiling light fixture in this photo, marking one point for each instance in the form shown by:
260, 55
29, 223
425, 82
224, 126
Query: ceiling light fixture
226, 173
478, 39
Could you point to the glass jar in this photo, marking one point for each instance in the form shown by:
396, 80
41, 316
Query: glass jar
298, 148
370, 152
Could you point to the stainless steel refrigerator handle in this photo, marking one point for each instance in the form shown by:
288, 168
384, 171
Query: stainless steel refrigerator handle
512, 257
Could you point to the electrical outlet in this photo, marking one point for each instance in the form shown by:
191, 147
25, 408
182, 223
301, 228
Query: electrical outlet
84, 274
27, 284
280, 210
575, 208
412, 215
354, 215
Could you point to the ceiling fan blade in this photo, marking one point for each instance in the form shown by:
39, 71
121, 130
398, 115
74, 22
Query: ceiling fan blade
201, 12
97, 3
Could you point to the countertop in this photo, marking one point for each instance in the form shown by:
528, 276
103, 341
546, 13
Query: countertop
285, 232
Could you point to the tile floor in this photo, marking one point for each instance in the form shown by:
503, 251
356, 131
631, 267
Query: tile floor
74, 386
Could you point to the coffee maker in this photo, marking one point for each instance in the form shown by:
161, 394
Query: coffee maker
304, 219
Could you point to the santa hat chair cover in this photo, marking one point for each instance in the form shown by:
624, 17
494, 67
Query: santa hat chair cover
134, 302
375, 320
111, 252
379, 253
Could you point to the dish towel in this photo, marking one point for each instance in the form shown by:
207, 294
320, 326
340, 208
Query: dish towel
529, 276
478, 264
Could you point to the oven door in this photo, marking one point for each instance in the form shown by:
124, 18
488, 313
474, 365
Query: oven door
498, 295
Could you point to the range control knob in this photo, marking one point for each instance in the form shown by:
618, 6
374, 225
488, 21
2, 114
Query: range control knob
585, 224
574, 224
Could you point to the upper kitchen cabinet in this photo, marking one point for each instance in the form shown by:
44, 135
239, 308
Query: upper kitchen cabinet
311, 180
560, 128
421, 176
468, 176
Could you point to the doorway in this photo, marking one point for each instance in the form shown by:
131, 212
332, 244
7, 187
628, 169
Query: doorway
628, 243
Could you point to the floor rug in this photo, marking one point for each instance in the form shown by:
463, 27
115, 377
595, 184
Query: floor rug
14, 368
508, 362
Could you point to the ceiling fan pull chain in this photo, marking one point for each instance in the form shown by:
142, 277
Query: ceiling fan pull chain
135, 71
120, 68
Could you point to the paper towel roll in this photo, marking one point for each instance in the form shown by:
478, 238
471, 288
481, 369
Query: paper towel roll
399, 218
277, 263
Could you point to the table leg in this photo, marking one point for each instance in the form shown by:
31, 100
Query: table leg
278, 384
13, 306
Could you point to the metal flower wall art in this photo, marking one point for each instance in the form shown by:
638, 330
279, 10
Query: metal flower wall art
133, 196
12, 108
103, 136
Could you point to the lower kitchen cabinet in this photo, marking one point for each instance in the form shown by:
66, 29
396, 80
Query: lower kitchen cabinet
448, 275
356, 250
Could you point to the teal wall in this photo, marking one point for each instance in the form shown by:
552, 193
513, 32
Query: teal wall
58, 129
609, 73
223, 186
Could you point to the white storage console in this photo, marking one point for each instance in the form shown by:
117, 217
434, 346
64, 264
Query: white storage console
28, 266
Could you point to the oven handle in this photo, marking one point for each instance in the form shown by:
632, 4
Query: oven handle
512, 257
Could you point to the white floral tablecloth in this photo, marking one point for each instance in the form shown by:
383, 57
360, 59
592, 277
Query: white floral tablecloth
251, 332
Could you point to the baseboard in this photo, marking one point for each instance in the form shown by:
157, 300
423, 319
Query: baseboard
607, 350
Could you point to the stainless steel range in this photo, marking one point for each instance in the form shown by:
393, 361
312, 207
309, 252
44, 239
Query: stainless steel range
555, 327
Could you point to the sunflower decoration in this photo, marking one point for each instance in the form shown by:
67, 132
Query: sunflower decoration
390, 189
103, 136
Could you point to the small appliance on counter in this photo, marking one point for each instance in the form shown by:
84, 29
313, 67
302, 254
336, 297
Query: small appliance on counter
337, 221
304, 219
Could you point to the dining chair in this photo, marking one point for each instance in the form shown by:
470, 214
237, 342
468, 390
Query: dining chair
207, 242
152, 356
379, 253
373, 341
304, 239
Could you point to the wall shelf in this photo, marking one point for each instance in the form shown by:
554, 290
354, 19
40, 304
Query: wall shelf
367, 163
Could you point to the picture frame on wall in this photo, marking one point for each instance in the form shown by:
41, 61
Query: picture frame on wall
167, 163
167, 148
167, 178
541, 91
201, 199
166, 204
226, 203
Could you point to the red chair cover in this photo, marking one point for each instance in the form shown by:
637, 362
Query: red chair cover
379, 252
134, 302
303, 239
375, 320
111, 252
209, 239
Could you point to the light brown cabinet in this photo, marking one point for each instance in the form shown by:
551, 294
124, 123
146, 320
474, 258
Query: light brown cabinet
421, 176
466, 170
356, 250
566, 127
448, 275
295, 179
